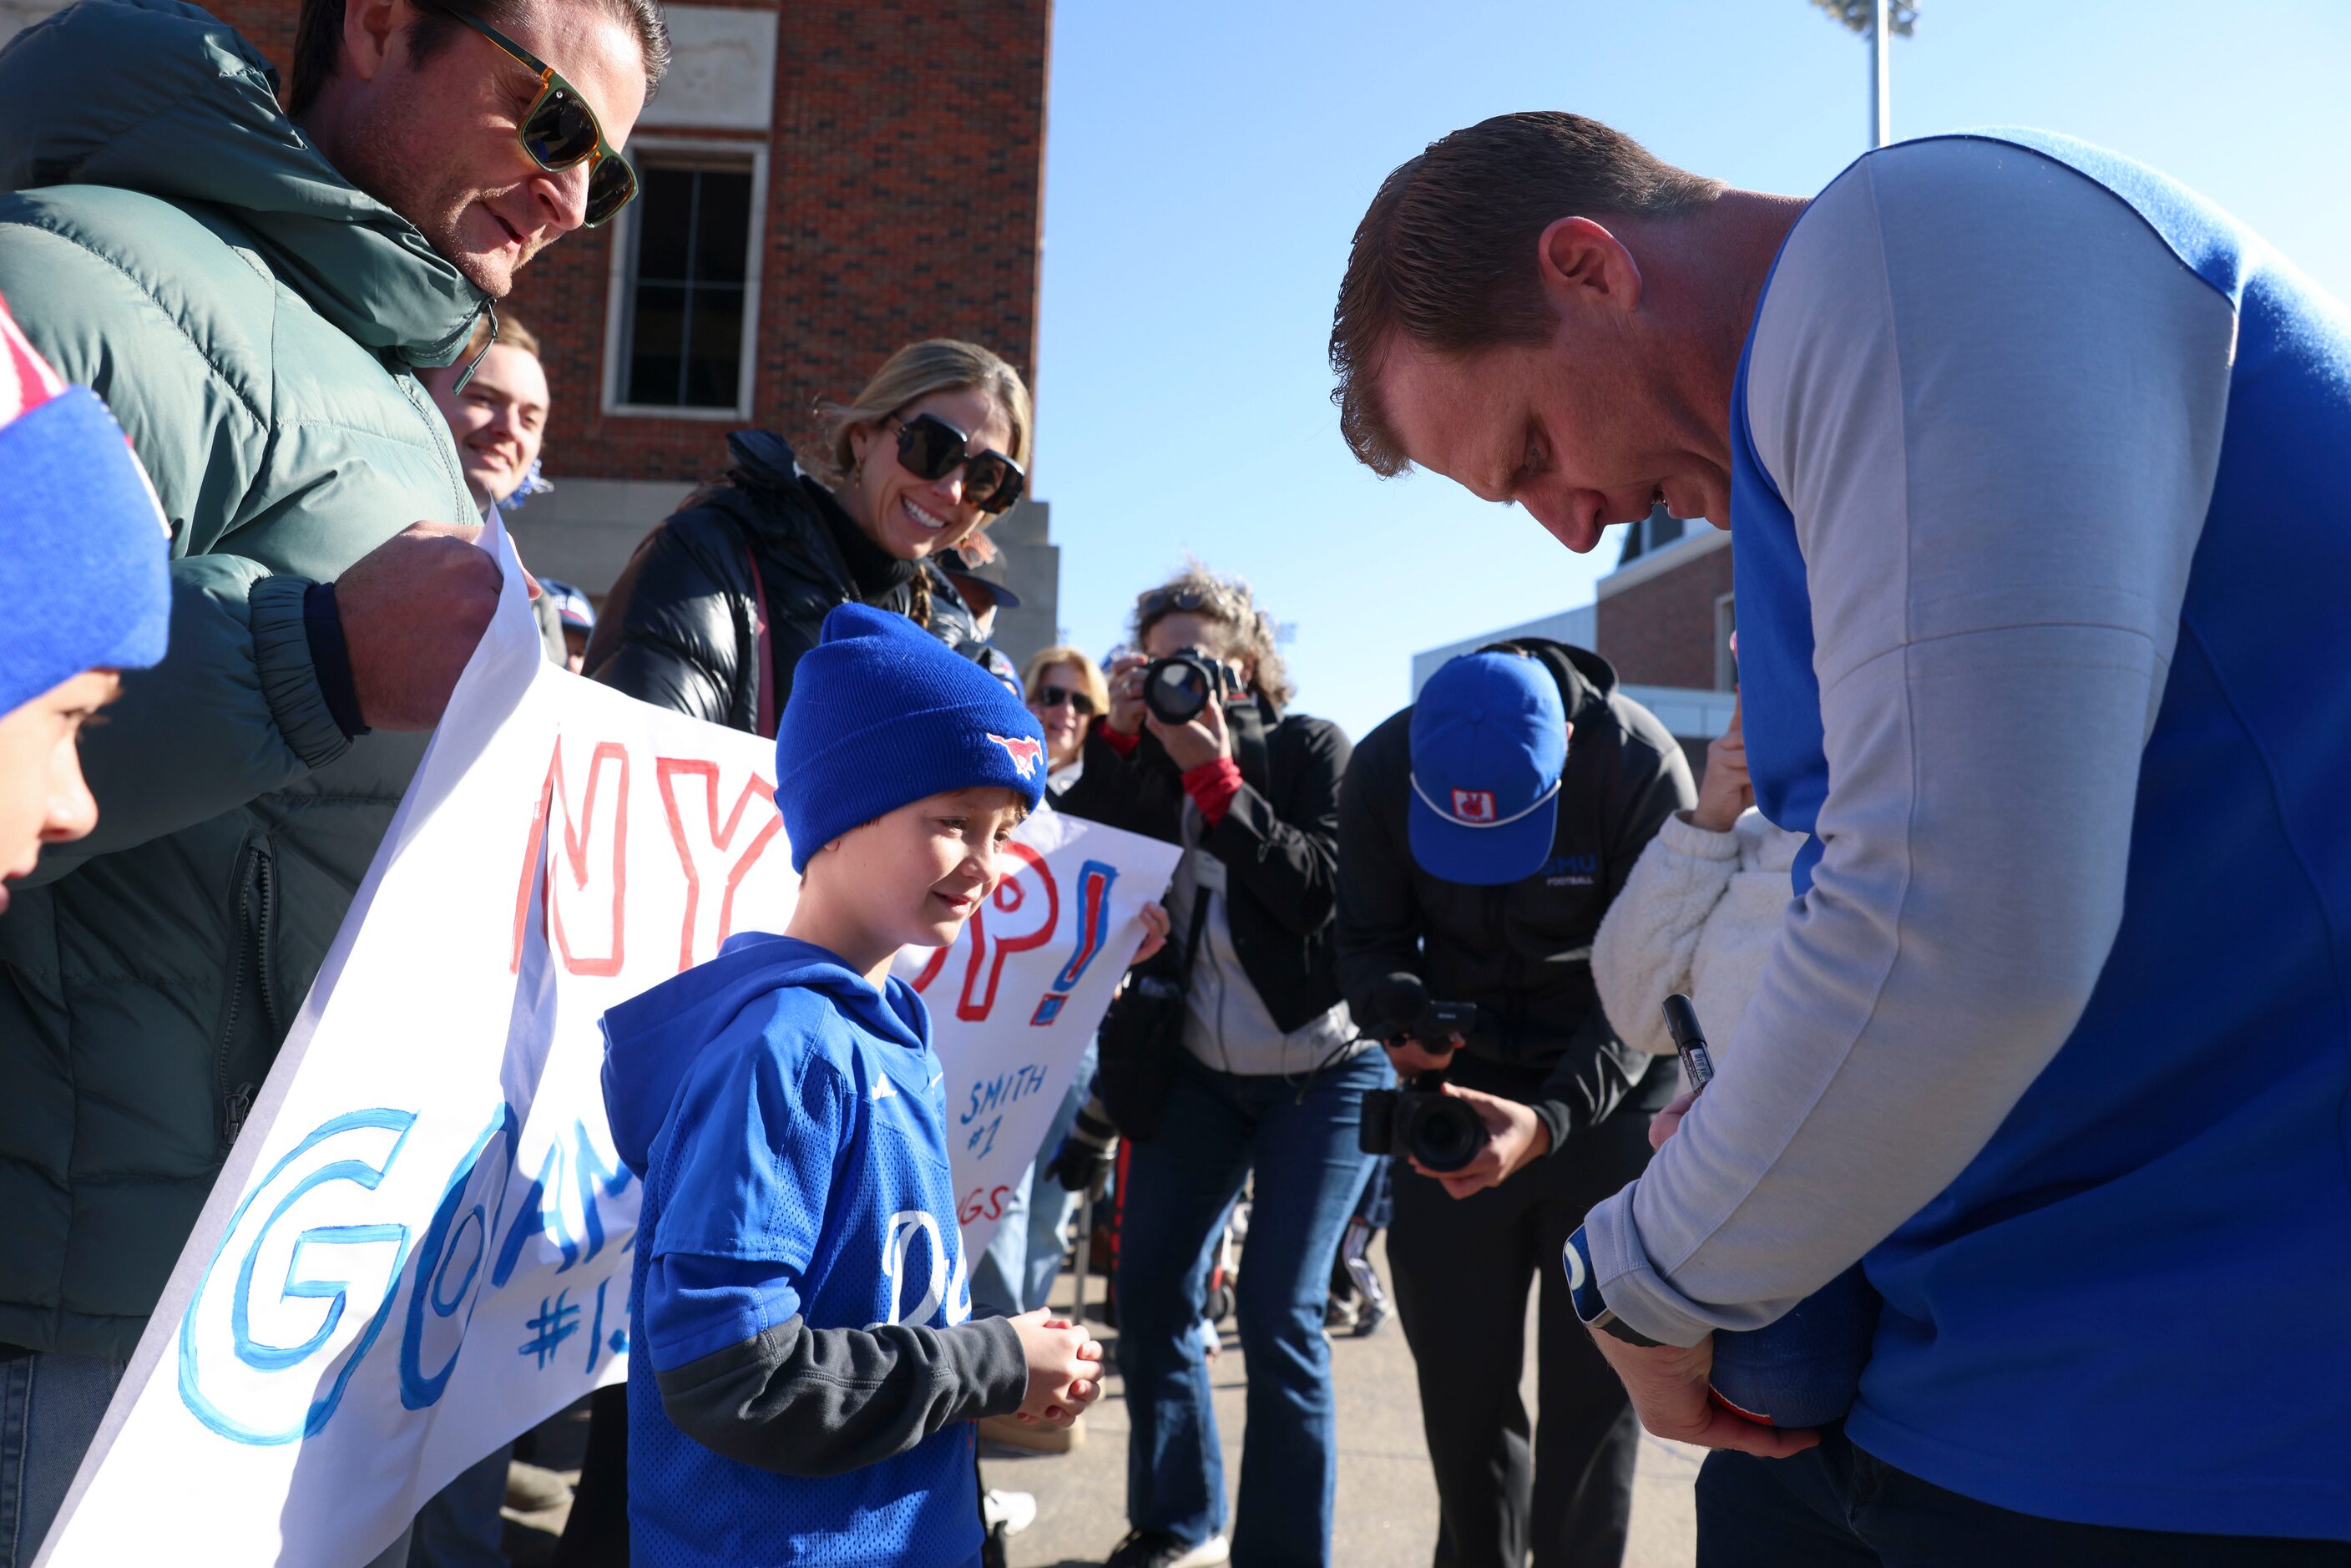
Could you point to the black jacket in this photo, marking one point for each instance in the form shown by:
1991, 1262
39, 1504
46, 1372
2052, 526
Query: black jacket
681, 627
1521, 952
1279, 841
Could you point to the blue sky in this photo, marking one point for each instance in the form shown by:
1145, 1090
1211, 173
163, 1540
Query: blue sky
1206, 163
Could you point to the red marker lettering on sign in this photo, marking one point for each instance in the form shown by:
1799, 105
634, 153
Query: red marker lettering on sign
983, 1204
983, 970
712, 837
609, 760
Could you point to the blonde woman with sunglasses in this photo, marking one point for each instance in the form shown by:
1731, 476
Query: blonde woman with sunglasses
722, 599
1065, 690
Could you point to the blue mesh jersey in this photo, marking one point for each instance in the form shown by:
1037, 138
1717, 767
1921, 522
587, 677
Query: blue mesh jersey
789, 1120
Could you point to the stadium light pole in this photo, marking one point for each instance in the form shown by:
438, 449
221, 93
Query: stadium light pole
1877, 21
1881, 73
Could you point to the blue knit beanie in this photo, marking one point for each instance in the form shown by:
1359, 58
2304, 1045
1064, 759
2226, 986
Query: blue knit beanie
84, 559
882, 715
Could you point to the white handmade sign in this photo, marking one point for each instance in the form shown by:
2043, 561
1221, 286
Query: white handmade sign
420, 1245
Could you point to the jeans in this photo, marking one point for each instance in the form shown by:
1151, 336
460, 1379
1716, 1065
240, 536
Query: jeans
597, 1533
50, 1408
461, 1526
1838, 1506
1557, 1483
1300, 1142
1015, 1273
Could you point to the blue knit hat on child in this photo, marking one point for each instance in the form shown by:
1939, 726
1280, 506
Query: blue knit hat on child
882, 715
84, 557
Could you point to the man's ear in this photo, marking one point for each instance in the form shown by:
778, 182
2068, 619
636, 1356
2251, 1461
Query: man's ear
372, 31
1583, 265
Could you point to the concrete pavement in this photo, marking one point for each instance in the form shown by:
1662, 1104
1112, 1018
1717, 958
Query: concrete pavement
1387, 1503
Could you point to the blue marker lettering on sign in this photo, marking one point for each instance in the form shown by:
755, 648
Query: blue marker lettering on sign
534, 1217
1095, 879
991, 1095
588, 1168
595, 1334
358, 1131
469, 1212
555, 1323
982, 1139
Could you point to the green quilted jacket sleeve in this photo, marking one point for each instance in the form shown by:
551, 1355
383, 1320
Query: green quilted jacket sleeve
235, 710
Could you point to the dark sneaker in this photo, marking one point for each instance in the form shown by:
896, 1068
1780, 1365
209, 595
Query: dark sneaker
1157, 1548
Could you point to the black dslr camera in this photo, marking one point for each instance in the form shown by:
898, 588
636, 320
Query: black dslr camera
1419, 1121
1178, 686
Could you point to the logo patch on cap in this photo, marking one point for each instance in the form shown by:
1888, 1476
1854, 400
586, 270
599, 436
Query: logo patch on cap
1474, 805
1025, 753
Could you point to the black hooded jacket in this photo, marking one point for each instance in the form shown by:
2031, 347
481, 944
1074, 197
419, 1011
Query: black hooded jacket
1278, 842
681, 629
1523, 951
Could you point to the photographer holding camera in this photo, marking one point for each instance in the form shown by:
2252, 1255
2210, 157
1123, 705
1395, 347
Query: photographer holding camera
1245, 1061
1483, 834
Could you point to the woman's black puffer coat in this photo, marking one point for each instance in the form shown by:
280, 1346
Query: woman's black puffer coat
681, 628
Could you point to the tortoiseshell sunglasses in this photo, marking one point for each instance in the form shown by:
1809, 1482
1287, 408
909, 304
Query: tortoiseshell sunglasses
559, 131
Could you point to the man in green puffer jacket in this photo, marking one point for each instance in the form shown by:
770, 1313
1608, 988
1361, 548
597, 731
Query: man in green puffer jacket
251, 294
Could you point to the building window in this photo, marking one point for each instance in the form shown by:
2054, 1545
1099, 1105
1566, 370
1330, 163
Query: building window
1726, 663
1651, 534
684, 297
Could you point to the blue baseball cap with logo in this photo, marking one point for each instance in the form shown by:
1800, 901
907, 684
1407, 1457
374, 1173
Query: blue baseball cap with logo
1488, 745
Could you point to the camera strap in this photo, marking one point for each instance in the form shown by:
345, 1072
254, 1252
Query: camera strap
1197, 929
1246, 724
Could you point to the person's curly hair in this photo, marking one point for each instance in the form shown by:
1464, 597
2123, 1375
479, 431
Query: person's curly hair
1224, 600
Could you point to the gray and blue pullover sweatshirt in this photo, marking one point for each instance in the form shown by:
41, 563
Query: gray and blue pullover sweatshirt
2042, 506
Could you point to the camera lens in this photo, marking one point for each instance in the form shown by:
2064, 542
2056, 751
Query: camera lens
1176, 689
1446, 1133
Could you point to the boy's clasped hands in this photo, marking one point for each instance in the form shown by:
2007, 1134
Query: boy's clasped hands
1064, 1368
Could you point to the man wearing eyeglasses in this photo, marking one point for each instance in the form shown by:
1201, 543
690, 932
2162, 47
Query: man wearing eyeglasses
251, 288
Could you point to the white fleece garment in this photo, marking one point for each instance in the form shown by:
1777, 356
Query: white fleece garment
1698, 915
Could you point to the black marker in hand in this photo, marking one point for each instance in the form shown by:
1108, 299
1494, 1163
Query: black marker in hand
1681, 1022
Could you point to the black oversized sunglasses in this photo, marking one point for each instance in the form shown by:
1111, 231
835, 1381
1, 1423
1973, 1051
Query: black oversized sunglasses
1190, 599
1187, 601
560, 131
1054, 696
930, 448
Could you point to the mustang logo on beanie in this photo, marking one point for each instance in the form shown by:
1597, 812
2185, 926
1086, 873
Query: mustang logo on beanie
1025, 753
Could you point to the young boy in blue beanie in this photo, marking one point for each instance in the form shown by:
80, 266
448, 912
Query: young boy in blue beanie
83, 571
805, 1368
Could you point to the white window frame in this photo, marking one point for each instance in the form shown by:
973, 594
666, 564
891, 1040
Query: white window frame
1726, 620
694, 151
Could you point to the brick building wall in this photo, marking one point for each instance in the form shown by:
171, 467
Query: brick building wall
267, 26
1660, 631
